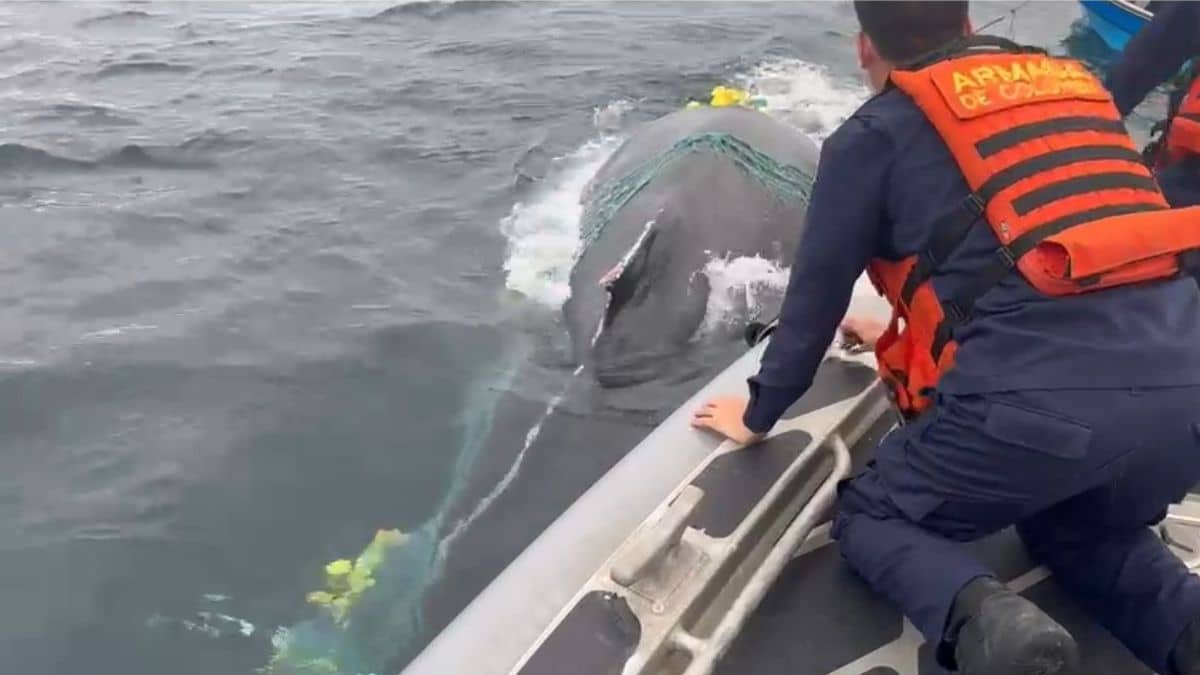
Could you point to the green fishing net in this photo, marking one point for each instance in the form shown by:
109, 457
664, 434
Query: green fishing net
787, 182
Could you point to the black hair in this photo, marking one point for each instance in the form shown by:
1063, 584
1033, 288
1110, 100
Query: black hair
902, 30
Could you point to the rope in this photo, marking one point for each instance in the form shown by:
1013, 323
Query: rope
1012, 23
787, 182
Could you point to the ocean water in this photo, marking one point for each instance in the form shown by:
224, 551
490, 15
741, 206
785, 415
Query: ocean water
276, 276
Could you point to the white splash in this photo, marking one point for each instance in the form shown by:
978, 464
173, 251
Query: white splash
211, 624
810, 98
610, 119
739, 288
117, 330
543, 233
805, 95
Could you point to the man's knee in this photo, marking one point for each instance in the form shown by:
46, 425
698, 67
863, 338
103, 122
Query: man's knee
865, 494
1060, 539
862, 496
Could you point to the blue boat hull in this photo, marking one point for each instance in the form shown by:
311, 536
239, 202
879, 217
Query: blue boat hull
1115, 22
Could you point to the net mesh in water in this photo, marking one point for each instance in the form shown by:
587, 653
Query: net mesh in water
787, 182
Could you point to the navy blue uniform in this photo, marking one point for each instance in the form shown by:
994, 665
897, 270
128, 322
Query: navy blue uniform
1075, 418
1152, 57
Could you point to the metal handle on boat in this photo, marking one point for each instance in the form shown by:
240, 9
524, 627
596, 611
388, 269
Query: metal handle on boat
1185, 514
653, 544
707, 651
757, 331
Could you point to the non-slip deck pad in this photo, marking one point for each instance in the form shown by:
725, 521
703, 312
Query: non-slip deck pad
820, 617
600, 632
596, 638
734, 482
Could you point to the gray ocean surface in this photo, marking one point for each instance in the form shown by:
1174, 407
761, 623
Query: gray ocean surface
275, 276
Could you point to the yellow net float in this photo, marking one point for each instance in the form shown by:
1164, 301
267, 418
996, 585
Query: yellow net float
723, 97
345, 580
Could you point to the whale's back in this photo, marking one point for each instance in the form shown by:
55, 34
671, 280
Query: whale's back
782, 143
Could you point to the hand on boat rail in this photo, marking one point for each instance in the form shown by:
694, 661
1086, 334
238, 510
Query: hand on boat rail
724, 416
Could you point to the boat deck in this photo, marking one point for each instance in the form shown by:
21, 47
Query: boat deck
734, 573
818, 617
821, 619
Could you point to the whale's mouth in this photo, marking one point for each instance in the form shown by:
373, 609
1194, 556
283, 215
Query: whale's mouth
620, 378
629, 371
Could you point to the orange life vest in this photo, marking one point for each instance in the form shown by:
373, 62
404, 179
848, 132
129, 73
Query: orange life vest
1052, 172
1183, 133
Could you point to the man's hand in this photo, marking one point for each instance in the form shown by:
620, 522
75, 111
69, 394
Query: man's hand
862, 331
724, 416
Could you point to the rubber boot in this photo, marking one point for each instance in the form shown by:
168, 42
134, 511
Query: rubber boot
1185, 656
994, 631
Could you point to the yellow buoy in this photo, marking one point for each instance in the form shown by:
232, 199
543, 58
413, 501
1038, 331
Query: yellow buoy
724, 97
727, 96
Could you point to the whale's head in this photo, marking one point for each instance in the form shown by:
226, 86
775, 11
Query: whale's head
649, 304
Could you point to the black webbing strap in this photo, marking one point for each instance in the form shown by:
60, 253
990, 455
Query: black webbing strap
948, 232
958, 309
